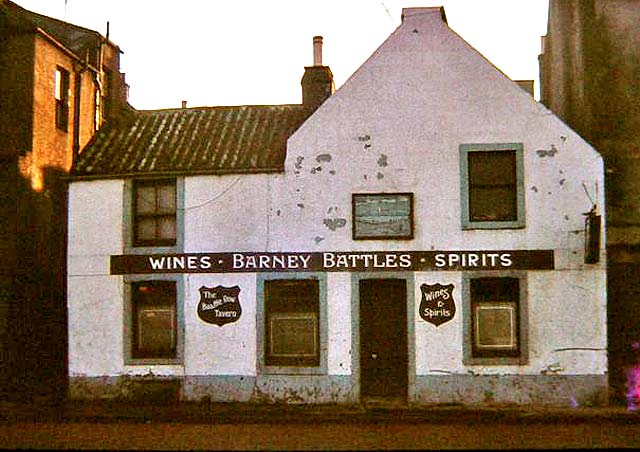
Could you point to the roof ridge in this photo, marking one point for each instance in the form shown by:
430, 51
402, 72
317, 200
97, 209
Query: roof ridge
218, 107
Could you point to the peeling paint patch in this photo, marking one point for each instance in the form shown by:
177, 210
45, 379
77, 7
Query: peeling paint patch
566, 217
547, 152
332, 172
335, 223
367, 146
278, 212
318, 239
364, 138
315, 170
300, 205
380, 176
383, 161
562, 181
323, 158
534, 188
298, 164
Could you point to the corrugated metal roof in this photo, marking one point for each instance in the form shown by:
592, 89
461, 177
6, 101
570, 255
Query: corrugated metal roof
193, 140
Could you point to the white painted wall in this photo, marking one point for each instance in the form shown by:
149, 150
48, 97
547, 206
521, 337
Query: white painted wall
395, 126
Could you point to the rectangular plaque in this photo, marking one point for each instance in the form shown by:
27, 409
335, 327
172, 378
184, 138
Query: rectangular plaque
333, 261
383, 216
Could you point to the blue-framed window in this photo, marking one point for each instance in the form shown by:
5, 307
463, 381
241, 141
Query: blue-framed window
292, 323
492, 186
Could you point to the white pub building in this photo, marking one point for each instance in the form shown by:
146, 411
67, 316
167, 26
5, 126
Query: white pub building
428, 233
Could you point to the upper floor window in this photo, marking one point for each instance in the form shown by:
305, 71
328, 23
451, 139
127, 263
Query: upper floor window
492, 186
154, 213
62, 96
383, 216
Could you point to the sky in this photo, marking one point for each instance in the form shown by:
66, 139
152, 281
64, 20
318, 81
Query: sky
251, 52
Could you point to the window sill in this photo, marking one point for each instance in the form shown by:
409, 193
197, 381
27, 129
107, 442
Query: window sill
153, 362
493, 225
291, 370
150, 249
496, 361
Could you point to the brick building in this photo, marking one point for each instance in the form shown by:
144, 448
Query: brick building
59, 84
590, 77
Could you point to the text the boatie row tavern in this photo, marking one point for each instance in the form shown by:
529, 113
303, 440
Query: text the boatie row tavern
332, 261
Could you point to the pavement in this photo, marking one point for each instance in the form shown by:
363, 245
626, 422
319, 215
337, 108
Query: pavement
76, 411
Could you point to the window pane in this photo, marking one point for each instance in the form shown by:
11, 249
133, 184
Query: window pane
294, 335
166, 199
492, 204
167, 228
146, 229
292, 323
492, 167
156, 331
495, 326
145, 199
154, 319
58, 85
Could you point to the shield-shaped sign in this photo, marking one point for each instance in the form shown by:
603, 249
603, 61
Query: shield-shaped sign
219, 305
437, 305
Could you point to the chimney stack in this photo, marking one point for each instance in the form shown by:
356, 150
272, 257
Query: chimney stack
317, 50
184, 104
317, 81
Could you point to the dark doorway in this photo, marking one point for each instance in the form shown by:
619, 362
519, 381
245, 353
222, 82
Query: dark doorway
383, 338
623, 328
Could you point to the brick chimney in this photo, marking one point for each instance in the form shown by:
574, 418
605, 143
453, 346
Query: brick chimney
317, 81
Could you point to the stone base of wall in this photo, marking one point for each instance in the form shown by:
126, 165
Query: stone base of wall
139, 389
225, 388
562, 390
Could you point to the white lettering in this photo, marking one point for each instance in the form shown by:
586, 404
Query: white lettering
505, 260
405, 260
305, 260
328, 260
205, 262
157, 264
238, 260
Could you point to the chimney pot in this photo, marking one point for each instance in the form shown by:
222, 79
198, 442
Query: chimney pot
317, 50
184, 104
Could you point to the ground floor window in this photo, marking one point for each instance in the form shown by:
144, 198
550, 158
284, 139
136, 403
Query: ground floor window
494, 308
292, 327
154, 319
495, 319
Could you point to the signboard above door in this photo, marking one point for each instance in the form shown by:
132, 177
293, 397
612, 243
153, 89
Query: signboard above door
333, 261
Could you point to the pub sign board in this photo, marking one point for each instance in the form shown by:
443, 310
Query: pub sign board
437, 305
333, 261
219, 305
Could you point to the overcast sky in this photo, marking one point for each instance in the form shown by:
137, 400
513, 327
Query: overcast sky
241, 52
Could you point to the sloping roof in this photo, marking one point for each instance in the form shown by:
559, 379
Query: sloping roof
207, 140
74, 38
